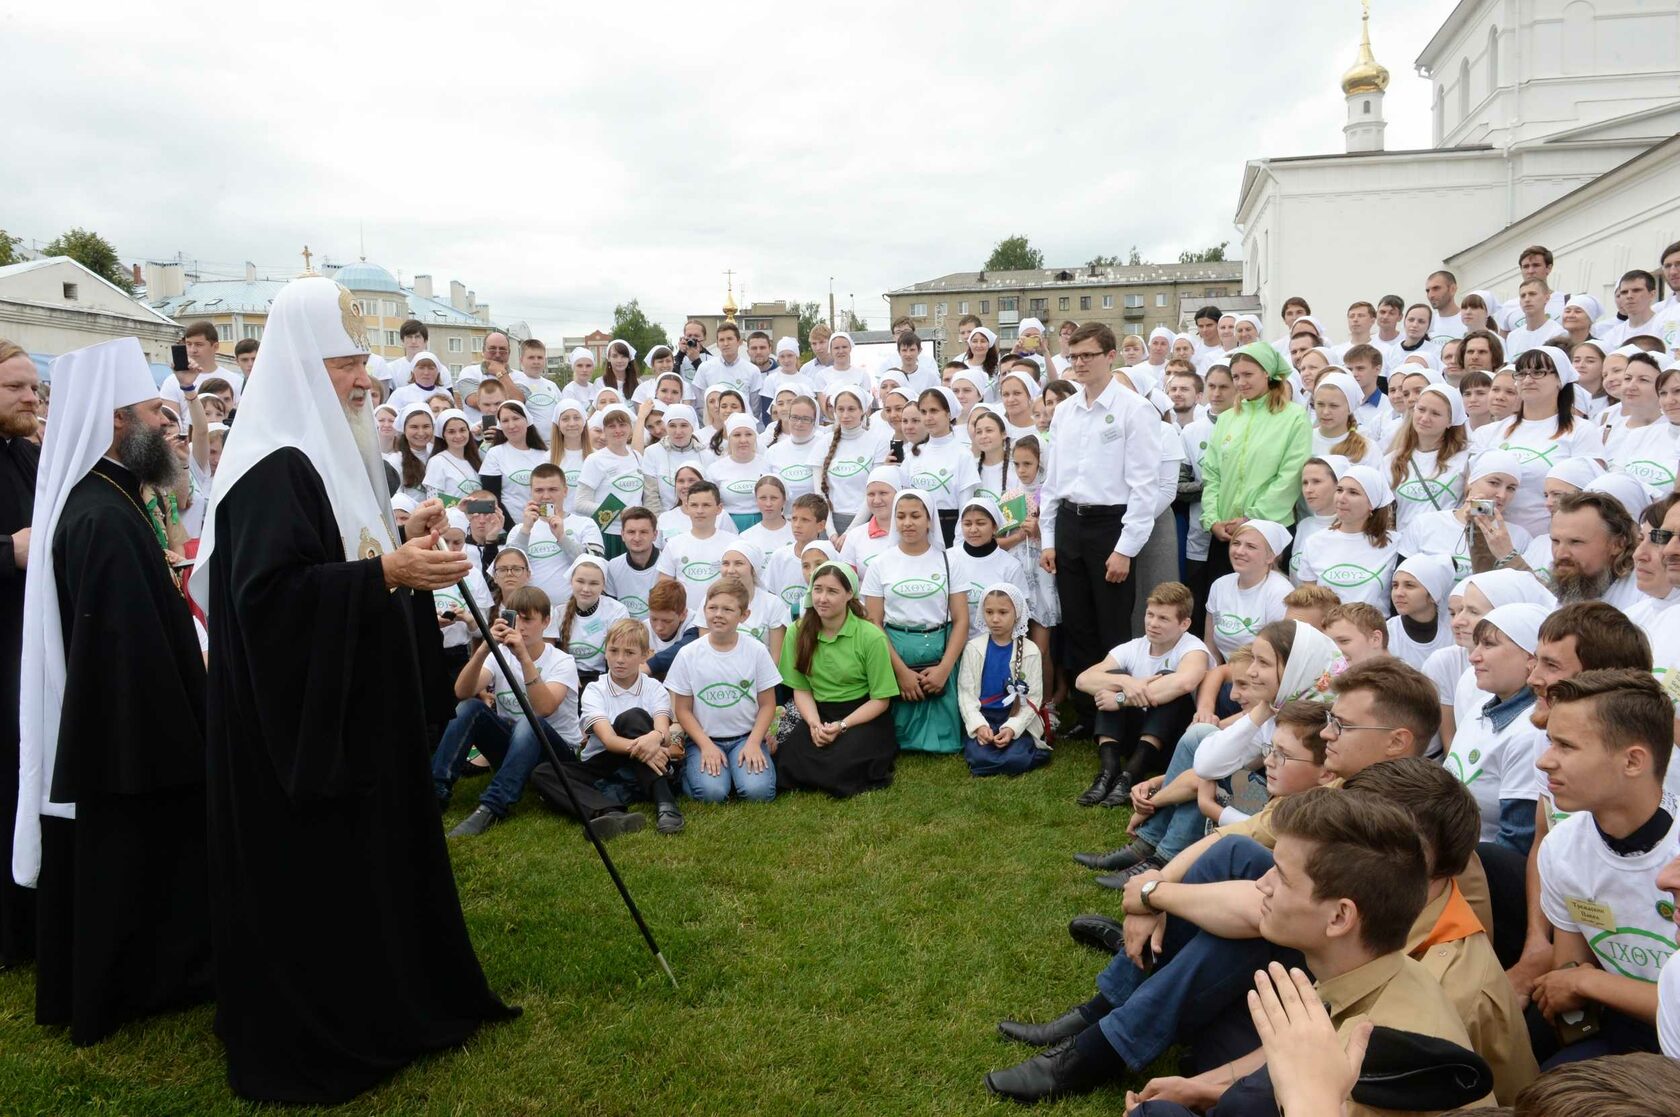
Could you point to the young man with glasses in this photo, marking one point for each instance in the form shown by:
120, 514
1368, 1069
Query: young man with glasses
1098, 502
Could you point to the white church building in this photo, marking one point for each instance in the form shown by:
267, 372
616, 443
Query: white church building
1555, 123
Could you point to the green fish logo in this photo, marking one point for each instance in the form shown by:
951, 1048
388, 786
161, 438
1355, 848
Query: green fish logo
1230, 624
1652, 473
628, 483
1348, 575
721, 696
572, 476
936, 482
698, 570
544, 550
798, 471
637, 606
917, 588
520, 477
743, 487
849, 467
1632, 951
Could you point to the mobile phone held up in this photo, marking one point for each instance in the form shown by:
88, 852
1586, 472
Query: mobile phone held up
178, 358
478, 507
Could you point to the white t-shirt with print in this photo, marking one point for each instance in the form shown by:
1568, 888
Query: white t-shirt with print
449, 600
604, 700
631, 586
514, 468
766, 612
1440, 533
1610, 900
1647, 453
449, 477
1350, 565
1538, 451
915, 589
944, 470
972, 575
548, 559
737, 481
661, 463
553, 666
587, 641
859, 452
725, 685
605, 472
695, 563
1136, 659
796, 463
542, 399
1493, 764
1238, 614
1412, 496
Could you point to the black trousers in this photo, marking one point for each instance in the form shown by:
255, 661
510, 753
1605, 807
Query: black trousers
1096, 613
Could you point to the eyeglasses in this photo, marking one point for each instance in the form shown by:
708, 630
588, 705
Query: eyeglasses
1530, 374
801, 418
1081, 358
1336, 726
1271, 754
1660, 536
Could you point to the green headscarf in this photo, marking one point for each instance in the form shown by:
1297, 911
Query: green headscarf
1266, 356
847, 575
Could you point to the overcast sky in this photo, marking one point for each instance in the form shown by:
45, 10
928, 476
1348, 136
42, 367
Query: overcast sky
565, 160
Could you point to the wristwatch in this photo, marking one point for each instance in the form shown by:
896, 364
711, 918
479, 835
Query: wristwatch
1147, 891
843, 725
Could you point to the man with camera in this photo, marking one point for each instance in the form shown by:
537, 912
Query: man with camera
193, 360
691, 351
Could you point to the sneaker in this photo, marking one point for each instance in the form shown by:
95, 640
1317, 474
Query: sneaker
670, 819
476, 823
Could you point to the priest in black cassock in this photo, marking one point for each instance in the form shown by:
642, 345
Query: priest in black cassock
341, 952
110, 816
18, 459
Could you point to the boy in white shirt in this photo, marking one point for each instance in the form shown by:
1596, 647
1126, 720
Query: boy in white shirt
1611, 733
695, 558
551, 537
1144, 689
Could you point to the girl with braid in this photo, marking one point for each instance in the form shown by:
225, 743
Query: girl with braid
1000, 690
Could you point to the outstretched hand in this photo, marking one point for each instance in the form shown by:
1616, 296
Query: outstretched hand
419, 565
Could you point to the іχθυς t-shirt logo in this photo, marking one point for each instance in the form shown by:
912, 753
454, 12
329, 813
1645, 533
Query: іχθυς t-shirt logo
1419, 490
627, 483
935, 481
742, 487
1655, 474
572, 476
520, 477
847, 467
547, 549
798, 471
1232, 624
636, 605
722, 695
1632, 951
917, 588
698, 570
1348, 575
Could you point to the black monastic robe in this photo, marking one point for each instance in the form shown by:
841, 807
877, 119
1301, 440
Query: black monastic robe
19, 458
124, 887
341, 952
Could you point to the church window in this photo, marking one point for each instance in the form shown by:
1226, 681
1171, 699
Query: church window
1493, 59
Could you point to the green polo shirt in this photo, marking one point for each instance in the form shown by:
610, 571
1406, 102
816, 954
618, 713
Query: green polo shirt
853, 663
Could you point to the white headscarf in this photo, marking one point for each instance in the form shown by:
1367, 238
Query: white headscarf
1457, 416
1311, 658
630, 349
89, 385
1345, 384
291, 403
1016, 598
787, 345
580, 354
933, 536
1374, 484
1435, 573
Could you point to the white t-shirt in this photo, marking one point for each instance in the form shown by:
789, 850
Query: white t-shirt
1445, 667
553, 666
542, 398
776, 381
1610, 900
833, 379
1520, 339
737, 482
661, 463
1306, 527
695, 563
1440, 533
769, 540
1493, 764
450, 477
1412, 496
621, 475
1409, 651
860, 549
674, 522
766, 612
449, 600
571, 464
944, 470
631, 586
604, 700
1349, 564
914, 589
743, 376
725, 685
1538, 451
796, 463
587, 641
1237, 615
971, 575
860, 451
1135, 658
410, 394
1647, 453
514, 468
170, 389
1323, 445
548, 559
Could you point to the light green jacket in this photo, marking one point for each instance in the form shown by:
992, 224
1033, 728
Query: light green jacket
1252, 467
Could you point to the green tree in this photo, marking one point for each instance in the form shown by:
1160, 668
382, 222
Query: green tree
1103, 262
1134, 260
810, 314
854, 324
7, 244
631, 323
1014, 254
94, 253
1213, 255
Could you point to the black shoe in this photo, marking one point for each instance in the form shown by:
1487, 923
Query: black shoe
1098, 931
476, 823
669, 820
1120, 793
1099, 788
1073, 732
613, 823
1118, 880
1053, 1073
1123, 858
1066, 1026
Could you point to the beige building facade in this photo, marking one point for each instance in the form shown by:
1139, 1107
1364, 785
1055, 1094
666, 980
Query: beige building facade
1127, 299
778, 319
53, 305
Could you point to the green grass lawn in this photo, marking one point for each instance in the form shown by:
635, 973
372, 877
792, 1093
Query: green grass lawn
835, 957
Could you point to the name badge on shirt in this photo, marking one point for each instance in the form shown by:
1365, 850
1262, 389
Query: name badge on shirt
1590, 913
1111, 434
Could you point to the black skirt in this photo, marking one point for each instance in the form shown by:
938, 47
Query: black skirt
861, 760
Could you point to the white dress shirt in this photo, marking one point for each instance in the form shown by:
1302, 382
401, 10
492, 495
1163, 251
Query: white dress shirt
1104, 452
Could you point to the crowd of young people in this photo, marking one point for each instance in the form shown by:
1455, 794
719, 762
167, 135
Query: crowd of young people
1408, 582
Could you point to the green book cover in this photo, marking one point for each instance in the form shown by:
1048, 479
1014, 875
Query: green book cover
1014, 513
608, 511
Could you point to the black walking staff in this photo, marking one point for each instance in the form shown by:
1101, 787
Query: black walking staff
554, 759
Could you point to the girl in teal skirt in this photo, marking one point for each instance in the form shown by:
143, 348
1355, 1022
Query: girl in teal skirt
907, 591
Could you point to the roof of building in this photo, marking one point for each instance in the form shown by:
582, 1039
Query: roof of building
1080, 274
142, 310
363, 276
254, 296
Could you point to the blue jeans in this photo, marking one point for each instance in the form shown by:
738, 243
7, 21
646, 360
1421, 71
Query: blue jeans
1173, 829
759, 787
509, 745
1199, 980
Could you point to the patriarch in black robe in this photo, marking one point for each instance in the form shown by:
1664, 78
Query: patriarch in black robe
341, 953
18, 460
110, 817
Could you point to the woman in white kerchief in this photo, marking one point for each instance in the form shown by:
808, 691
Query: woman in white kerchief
326, 848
